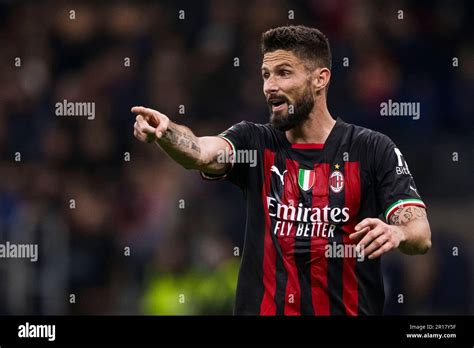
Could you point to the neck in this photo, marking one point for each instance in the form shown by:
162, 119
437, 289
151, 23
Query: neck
315, 129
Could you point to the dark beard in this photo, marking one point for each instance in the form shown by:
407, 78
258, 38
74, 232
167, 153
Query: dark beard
301, 110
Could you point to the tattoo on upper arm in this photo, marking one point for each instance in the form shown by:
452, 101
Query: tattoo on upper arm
404, 214
182, 138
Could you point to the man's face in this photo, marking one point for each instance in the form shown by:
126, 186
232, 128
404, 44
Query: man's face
287, 89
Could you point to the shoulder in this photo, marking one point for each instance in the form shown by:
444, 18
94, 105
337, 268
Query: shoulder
251, 129
262, 127
366, 137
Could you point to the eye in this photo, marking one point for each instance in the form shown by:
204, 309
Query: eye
286, 72
265, 75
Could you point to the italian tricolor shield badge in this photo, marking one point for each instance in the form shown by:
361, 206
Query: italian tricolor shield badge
306, 178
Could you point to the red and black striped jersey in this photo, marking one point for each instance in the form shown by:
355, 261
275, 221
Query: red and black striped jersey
303, 201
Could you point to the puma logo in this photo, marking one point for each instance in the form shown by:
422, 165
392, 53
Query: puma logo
277, 172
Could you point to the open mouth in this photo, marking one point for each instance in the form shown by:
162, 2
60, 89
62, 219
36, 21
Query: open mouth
277, 104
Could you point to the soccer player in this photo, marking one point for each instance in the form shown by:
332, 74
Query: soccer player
321, 188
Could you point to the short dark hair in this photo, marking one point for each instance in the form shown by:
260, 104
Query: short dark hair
306, 43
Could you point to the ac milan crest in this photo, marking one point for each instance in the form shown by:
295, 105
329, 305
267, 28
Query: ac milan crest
336, 181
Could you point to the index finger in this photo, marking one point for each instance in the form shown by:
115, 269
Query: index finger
140, 110
150, 115
359, 234
366, 222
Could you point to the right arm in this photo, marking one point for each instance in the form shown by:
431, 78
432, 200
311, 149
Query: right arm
179, 142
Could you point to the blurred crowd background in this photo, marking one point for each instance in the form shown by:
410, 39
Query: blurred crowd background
148, 237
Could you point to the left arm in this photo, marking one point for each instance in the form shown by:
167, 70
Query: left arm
408, 230
415, 229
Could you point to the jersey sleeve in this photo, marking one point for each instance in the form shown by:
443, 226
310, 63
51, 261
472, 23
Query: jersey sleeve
239, 137
395, 186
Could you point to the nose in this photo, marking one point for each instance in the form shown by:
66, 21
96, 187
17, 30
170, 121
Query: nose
269, 86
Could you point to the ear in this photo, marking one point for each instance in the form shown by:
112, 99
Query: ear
321, 79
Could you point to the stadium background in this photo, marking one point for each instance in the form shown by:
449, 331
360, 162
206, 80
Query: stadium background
190, 62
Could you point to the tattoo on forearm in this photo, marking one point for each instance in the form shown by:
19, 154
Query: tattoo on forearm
186, 140
395, 218
405, 214
408, 214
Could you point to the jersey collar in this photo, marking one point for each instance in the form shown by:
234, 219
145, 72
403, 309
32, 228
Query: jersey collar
316, 146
